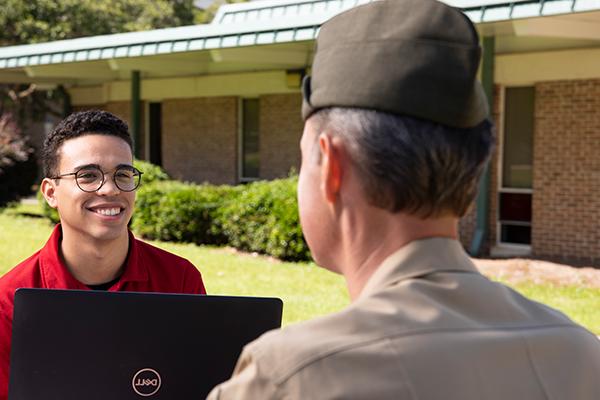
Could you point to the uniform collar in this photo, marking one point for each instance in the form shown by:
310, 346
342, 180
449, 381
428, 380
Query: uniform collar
418, 258
55, 274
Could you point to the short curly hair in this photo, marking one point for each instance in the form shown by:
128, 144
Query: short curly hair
80, 124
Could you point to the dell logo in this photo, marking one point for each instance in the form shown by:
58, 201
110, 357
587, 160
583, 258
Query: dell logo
146, 382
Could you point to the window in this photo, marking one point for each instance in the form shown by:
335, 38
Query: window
250, 143
515, 218
154, 151
517, 159
516, 180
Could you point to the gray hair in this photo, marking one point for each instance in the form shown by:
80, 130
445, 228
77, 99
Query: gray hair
411, 165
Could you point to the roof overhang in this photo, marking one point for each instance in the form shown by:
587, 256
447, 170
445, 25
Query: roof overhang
276, 35
180, 64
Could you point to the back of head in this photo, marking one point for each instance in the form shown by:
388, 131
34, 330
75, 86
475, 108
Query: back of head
81, 124
397, 80
411, 165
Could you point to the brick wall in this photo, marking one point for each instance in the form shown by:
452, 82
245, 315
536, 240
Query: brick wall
280, 130
88, 107
199, 139
566, 174
121, 109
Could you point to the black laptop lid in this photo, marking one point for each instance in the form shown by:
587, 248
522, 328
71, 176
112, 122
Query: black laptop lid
70, 344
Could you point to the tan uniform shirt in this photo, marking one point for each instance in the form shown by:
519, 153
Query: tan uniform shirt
426, 326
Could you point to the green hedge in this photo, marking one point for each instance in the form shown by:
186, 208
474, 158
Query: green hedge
151, 173
175, 211
259, 217
264, 219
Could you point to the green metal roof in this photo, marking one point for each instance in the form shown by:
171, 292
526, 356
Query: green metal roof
253, 23
478, 10
282, 9
156, 42
528, 9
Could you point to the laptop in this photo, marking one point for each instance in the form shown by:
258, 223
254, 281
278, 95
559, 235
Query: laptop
71, 344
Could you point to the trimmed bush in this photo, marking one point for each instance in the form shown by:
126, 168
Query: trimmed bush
260, 217
175, 211
152, 173
18, 166
264, 219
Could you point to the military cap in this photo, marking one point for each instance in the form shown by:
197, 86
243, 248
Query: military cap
417, 58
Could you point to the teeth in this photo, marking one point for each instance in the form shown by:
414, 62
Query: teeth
108, 211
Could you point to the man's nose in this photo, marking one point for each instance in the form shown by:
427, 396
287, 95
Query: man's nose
109, 188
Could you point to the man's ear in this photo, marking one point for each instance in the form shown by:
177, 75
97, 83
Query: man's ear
48, 188
331, 166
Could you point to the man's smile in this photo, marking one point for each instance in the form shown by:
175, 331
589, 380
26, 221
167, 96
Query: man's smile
107, 210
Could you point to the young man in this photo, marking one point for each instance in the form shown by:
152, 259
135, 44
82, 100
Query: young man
396, 137
90, 179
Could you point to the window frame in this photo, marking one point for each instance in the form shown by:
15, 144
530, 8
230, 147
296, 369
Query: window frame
500, 181
240, 146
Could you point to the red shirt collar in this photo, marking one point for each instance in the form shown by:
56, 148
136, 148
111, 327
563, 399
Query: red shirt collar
55, 274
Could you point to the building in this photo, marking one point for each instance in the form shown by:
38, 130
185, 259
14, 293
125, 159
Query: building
220, 103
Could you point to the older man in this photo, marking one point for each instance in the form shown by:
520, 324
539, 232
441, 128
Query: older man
395, 140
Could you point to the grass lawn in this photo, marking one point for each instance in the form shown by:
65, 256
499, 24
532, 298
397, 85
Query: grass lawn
307, 291
581, 304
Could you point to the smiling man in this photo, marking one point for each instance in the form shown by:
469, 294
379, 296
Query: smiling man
90, 179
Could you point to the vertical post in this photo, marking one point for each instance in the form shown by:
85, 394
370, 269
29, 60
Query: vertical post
483, 197
67, 108
135, 113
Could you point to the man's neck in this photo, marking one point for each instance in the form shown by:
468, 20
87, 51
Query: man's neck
92, 261
374, 237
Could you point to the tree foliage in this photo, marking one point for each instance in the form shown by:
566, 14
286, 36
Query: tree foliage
36, 21
207, 14
17, 163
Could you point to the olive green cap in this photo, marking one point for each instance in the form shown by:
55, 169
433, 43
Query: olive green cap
417, 58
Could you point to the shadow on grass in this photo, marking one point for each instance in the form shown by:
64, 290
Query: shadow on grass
28, 214
22, 210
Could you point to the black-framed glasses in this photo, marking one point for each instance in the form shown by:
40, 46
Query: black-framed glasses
91, 178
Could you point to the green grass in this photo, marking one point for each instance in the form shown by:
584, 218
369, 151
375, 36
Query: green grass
21, 235
582, 305
307, 291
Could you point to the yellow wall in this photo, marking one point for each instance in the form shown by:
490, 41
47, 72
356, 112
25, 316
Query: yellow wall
243, 85
528, 68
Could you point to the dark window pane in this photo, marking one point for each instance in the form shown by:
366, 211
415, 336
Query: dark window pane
155, 121
250, 139
516, 234
517, 161
515, 207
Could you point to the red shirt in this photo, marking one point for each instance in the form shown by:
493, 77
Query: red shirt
148, 269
